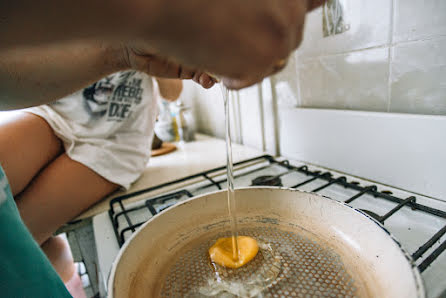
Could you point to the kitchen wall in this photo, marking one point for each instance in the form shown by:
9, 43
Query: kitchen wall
392, 58
365, 94
381, 56
384, 57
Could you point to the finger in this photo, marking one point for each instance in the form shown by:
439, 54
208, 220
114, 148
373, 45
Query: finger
214, 77
238, 84
206, 81
185, 73
164, 68
196, 77
173, 70
161, 68
280, 65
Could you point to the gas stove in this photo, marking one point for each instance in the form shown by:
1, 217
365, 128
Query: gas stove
418, 222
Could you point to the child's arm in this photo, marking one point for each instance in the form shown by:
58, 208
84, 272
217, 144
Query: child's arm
170, 89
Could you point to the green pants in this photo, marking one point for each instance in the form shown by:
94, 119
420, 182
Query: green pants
24, 269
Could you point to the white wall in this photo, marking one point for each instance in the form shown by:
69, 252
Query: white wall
391, 58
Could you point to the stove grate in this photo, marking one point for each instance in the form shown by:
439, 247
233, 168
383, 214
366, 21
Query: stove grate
118, 210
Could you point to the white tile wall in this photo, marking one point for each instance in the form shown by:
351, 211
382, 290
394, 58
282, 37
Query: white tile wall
419, 19
287, 84
369, 23
271, 131
245, 114
251, 121
412, 33
356, 80
209, 111
418, 80
189, 93
391, 59
406, 151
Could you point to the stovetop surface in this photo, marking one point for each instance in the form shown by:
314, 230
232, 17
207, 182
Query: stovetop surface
419, 223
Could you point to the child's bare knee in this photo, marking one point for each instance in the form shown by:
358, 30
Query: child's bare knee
58, 252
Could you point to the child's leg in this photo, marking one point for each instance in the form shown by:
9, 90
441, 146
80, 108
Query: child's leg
51, 190
59, 253
27, 144
58, 194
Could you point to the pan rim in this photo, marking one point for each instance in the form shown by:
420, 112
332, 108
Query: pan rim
417, 279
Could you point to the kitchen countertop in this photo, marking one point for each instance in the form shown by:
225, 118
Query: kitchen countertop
190, 158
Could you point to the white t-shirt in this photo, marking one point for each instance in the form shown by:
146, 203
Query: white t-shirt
107, 126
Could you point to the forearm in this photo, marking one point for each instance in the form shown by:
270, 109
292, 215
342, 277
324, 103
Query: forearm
37, 75
28, 22
193, 33
170, 89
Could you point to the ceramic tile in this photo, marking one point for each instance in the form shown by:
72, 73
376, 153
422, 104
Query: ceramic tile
188, 93
269, 105
418, 82
418, 19
368, 24
287, 84
251, 121
246, 122
209, 111
357, 81
406, 151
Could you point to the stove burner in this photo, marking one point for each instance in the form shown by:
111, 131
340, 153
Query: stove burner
267, 181
126, 220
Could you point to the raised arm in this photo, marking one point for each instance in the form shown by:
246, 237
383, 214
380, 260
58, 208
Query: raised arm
29, 22
242, 40
36, 75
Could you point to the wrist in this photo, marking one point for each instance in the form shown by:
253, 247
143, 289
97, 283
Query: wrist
115, 56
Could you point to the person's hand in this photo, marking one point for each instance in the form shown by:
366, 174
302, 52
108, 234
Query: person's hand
239, 40
239, 83
155, 65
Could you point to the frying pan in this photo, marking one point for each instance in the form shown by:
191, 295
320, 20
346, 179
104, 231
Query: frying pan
326, 248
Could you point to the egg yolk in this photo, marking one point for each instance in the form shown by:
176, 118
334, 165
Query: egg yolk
221, 251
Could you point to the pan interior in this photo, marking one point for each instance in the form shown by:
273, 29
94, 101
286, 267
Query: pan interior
290, 263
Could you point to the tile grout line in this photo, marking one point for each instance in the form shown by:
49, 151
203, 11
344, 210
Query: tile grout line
275, 115
239, 117
390, 55
382, 46
262, 115
297, 70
